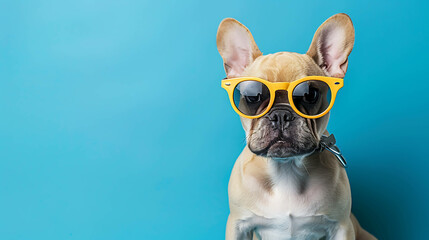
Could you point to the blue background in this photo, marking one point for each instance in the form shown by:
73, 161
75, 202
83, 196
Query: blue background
114, 126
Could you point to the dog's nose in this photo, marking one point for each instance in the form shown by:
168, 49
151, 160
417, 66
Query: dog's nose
281, 117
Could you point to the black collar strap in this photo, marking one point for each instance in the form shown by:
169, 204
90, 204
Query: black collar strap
328, 143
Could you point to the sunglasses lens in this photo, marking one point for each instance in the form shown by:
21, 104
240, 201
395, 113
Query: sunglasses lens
312, 97
251, 97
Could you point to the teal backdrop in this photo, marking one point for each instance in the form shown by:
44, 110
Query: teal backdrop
114, 125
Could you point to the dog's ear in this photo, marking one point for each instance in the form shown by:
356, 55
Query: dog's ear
236, 45
332, 44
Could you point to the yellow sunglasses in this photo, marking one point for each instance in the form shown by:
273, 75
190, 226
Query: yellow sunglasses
310, 97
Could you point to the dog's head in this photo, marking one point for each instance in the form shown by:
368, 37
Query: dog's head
281, 133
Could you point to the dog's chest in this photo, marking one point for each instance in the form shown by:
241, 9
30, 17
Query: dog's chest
284, 215
295, 228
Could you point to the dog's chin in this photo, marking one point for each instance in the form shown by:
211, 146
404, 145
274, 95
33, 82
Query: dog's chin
283, 151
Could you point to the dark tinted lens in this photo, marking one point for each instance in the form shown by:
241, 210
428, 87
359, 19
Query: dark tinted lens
251, 97
312, 97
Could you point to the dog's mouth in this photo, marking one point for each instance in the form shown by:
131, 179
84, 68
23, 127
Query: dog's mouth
280, 148
269, 139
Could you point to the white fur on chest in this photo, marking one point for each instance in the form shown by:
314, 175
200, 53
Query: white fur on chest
285, 199
294, 227
286, 214
284, 219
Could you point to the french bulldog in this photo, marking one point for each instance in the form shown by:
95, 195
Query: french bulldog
281, 187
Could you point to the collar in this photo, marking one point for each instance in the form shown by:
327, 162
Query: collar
328, 143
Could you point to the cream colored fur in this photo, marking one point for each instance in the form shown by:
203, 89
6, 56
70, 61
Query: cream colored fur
264, 195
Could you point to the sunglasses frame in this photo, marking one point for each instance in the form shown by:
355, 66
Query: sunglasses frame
334, 84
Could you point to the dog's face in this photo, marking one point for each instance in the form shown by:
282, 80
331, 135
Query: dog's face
281, 133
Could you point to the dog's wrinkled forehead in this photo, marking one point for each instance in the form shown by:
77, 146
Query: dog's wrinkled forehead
283, 67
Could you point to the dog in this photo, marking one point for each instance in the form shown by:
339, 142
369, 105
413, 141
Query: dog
283, 187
